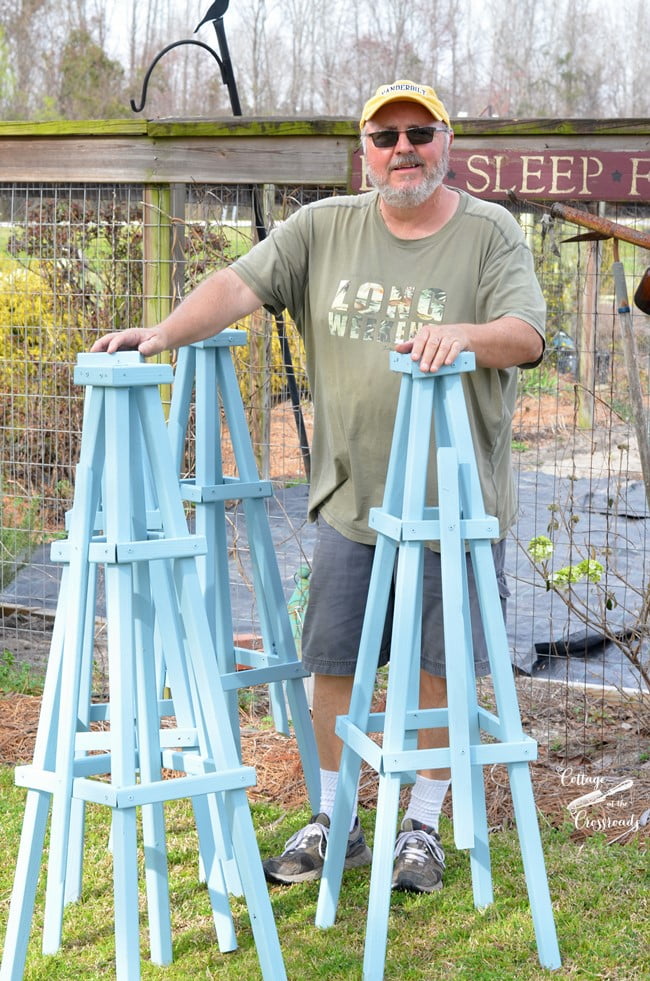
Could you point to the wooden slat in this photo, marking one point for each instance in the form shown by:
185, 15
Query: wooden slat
232, 160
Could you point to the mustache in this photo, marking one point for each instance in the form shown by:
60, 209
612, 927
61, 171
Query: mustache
405, 160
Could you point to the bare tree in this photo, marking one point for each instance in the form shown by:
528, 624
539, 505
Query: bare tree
625, 86
518, 38
323, 57
20, 22
258, 55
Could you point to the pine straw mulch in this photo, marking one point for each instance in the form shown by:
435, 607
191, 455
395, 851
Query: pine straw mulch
602, 755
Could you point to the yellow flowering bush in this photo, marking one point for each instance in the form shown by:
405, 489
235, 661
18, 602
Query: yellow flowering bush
26, 316
39, 340
37, 327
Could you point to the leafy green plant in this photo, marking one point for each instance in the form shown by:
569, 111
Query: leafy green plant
594, 608
18, 677
541, 380
541, 551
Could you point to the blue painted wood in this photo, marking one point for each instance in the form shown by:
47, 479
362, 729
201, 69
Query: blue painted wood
404, 523
74, 869
125, 473
207, 369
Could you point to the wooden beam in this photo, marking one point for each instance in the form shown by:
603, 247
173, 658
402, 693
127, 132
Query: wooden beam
248, 150
138, 160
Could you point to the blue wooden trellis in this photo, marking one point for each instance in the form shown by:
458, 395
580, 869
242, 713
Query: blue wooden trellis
128, 516
207, 369
404, 523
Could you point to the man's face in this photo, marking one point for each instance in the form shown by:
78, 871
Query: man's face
406, 175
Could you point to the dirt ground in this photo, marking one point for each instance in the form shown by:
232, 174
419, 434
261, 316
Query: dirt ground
588, 743
564, 437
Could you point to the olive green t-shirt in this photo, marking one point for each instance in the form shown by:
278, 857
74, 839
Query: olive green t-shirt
354, 290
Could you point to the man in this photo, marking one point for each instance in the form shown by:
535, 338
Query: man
429, 270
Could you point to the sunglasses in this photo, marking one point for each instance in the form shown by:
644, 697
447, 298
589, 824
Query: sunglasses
417, 135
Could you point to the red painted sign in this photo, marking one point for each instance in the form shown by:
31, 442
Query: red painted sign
550, 174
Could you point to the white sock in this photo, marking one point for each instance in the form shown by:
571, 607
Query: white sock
328, 783
427, 797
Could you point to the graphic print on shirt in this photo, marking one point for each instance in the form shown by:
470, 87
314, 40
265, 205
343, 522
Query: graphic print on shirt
374, 312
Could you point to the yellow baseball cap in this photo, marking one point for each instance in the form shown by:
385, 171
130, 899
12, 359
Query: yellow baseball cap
404, 91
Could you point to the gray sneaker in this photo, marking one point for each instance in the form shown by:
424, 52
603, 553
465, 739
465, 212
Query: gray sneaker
304, 853
419, 858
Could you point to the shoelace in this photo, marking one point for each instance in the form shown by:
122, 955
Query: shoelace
302, 837
415, 844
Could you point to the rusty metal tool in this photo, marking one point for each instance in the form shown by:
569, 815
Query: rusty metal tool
602, 227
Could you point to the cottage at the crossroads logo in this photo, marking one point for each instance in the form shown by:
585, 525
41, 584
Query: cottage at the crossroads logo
602, 804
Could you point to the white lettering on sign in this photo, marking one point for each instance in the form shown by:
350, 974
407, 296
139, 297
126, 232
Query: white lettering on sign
607, 175
640, 171
538, 174
592, 168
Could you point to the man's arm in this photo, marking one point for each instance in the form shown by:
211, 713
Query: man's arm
215, 304
501, 343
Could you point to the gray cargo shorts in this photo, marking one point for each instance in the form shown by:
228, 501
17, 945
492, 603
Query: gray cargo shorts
338, 590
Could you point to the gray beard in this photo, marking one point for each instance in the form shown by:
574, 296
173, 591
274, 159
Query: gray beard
410, 197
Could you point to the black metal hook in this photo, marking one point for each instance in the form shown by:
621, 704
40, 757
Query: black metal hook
174, 44
215, 16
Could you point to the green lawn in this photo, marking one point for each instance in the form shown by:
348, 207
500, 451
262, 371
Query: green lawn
600, 896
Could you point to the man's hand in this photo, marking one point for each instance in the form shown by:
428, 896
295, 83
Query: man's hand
502, 343
436, 346
146, 340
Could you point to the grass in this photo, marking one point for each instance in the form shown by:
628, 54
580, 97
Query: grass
600, 896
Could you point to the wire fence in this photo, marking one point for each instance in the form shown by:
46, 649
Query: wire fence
74, 263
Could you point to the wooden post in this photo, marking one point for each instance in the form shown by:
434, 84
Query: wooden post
157, 278
178, 245
261, 367
586, 330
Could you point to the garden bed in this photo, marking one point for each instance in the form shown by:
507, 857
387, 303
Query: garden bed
559, 778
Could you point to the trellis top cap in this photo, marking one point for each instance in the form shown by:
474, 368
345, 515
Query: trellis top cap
404, 91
